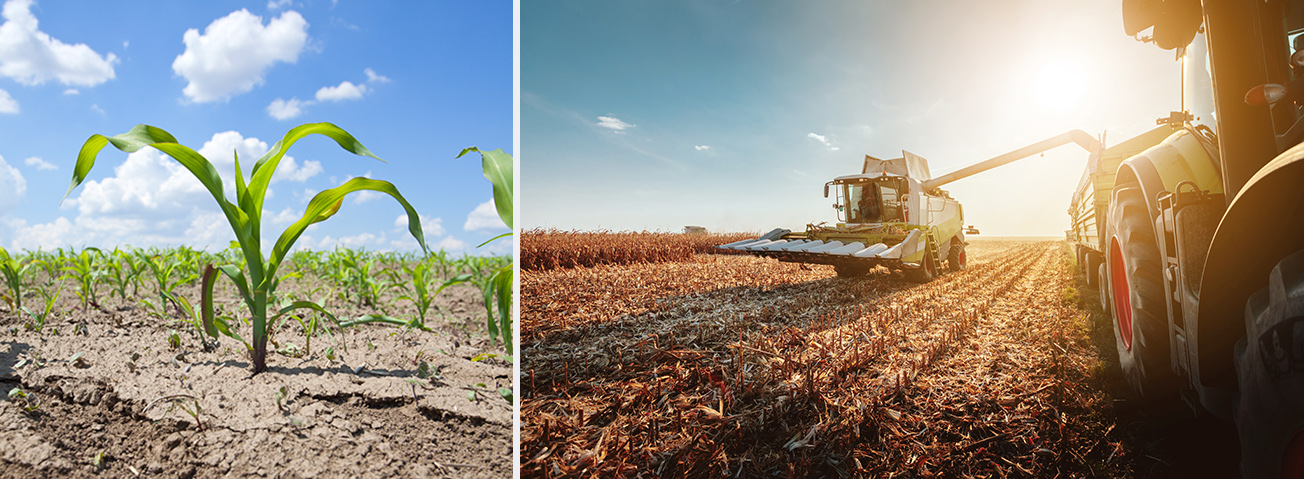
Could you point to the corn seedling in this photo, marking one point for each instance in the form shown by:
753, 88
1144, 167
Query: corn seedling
193, 318
38, 320
164, 269
124, 270
28, 402
83, 268
179, 401
497, 167
422, 275
245, 215
13, 271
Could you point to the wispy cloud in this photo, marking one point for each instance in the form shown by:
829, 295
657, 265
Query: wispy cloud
40, 164
374, 77
823, 140
701, 147
7, 103
614, 124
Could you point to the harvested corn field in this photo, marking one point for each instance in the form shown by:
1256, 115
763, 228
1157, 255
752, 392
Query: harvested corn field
745, 367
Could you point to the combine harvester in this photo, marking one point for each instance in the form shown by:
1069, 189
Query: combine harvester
895, 214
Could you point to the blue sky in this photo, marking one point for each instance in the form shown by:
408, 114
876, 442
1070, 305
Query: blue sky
731, 114
414, 81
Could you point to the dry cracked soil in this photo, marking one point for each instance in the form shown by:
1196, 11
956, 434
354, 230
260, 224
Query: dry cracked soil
113, 399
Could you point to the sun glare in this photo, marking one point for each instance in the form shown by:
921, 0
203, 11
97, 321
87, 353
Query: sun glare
1060, 85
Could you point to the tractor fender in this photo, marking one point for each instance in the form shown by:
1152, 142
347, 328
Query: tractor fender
1263, 224
1180, 157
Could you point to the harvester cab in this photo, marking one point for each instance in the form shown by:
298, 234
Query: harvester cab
892, 214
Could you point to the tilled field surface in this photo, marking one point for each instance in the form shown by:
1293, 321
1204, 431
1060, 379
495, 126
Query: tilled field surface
745, 367
113, 400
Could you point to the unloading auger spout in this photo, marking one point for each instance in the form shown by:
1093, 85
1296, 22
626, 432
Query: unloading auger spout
1082, 138
893, 214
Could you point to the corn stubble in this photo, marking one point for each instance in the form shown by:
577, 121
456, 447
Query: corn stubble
739, 366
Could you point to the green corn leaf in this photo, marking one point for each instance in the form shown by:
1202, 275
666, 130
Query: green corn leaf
330, 199
224, 328
489, 294
206, 303
502, 281
491, 240
237, 276
307, 305
239, 179
497, 167
380, 318
263, 169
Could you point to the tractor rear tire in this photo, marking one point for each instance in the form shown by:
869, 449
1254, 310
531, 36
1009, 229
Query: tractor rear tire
1136, 291
1270, 370
924, 273
956, 260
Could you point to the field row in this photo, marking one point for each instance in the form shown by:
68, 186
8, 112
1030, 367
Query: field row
164, 285
736, 365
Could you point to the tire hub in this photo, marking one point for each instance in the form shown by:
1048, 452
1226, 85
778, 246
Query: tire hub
1122, 293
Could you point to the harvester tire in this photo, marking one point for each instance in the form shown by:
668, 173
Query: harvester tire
1136, 292
956, 260
924, 273
1270, 370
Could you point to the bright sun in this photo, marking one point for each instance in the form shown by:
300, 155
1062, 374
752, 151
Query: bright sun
1060, 85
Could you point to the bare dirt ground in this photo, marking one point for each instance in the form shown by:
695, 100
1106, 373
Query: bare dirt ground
123, 407
746, 367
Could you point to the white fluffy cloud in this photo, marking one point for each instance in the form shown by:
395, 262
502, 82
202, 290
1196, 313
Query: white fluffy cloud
484, 217
614, 124
823, 140
285, 109
701, 147
7, 103
32, 57
344, 91
235, 51
40, 164
12, 187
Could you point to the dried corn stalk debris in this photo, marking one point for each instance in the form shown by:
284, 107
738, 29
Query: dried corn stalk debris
736, 366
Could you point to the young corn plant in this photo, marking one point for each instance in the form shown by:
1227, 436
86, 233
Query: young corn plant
13, 270
423, 275
497, 167
165, 268
85, 269
123, 271
245, 214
